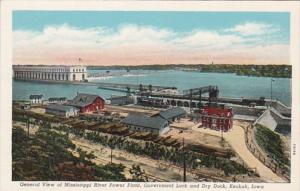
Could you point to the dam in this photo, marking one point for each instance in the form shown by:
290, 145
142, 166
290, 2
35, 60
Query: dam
50, 73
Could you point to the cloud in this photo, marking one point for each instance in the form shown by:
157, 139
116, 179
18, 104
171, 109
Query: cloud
211, 40
253, 28
138, 44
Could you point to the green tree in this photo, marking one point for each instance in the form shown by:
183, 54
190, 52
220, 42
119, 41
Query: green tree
138, 175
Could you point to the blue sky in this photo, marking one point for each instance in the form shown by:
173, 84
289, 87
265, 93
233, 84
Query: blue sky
179, 21
250, 28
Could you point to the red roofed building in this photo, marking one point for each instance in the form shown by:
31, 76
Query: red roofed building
217, 117
87, 103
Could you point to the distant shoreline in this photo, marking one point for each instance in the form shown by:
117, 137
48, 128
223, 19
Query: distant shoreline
274, 71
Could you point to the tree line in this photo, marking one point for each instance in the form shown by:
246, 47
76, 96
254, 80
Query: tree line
276, 71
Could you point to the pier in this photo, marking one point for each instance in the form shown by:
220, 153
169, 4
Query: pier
109, 73
142, 87
108, 86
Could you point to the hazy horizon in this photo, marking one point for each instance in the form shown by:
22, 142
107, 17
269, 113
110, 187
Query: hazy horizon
117, 65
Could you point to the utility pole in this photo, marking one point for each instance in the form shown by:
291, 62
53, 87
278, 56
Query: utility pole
141, 88
200, 98
272, 80
28, 127
137, 77
222, 130
111, 151
184, 162
191, 99
271, 89
128, 91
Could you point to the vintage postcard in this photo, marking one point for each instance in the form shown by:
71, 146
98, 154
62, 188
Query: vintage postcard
100, 95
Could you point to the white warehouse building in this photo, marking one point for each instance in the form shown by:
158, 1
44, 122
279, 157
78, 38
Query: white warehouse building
62, 110
50, 73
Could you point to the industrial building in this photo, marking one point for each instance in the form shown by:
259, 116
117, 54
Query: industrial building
121, 100
212, 115
50, 73
152, 102
88, 103
172, 114
62, 110
139, 122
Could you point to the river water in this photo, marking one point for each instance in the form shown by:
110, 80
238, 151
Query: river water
230, 85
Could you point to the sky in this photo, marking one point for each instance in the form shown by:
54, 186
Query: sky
150, 37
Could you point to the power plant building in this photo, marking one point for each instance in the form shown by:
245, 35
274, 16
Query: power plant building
50, 73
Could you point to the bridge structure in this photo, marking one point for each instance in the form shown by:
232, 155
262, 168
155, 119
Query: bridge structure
180, 101
191, 98
212, 91
196, 98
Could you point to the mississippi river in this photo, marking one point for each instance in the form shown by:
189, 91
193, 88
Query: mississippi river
230, 85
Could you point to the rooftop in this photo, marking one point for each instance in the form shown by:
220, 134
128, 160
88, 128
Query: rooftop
35, 96
57, 99
172, 112
219, 111
83, 99
61, 107
144, 121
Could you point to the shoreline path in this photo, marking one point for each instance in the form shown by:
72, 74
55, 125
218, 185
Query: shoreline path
236, 138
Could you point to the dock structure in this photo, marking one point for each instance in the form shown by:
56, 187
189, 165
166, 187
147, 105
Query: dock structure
106, 74
239, 101
140, 87
154, 92
122, 87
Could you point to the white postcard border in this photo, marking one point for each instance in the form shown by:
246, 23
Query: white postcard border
6, 69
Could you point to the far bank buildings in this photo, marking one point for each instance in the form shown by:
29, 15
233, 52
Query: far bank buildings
50, 73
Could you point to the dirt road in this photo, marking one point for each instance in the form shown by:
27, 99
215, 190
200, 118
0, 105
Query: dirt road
153, 167
235, 137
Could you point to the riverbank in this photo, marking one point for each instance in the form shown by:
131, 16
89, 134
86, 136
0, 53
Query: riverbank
275, 71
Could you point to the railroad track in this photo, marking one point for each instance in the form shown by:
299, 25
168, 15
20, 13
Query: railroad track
197, 173
191, 171
127, 167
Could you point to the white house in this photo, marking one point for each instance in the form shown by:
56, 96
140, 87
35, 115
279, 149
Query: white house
36, 99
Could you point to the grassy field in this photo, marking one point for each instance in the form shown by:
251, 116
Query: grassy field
271, 143
46, 156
